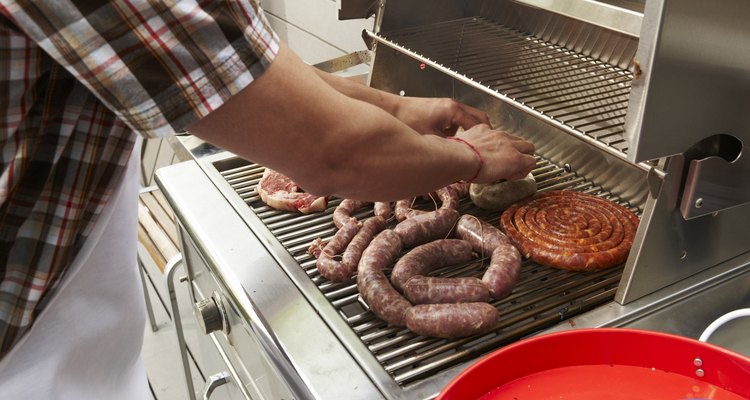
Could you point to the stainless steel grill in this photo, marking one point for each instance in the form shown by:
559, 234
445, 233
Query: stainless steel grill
561, 74
543, 297
577, 91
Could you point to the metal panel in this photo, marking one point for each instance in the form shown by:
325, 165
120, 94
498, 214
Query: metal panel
669, 248
250, 279
695, 79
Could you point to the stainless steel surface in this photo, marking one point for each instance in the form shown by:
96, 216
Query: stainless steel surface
402, 365
695, 85
668, 248
345, 61
576, 94
169, 274
213, 382
561, 74
624, 18
712, 182
497, 58
227, 256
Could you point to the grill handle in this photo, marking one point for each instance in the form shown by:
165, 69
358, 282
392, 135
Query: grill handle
213, 382
271, 346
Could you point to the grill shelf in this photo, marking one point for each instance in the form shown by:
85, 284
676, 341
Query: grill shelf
543, 297
578, 93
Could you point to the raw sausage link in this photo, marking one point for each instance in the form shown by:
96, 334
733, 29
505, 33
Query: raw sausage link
404, 211
571, 230
382, 209
502, 274
382, 251
343, 213
448, 195
329, 267
426, 227
484, 238
429, 256
434, 290
376, 290
316, 247
452, 321
505, 262
352, 255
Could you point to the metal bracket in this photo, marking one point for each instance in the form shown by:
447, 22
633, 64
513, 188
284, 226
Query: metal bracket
714, 183
169, 272
346, 61
213, 382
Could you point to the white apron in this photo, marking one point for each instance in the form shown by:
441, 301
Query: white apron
86, 343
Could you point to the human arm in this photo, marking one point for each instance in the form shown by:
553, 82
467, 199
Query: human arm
291, 120
439, 116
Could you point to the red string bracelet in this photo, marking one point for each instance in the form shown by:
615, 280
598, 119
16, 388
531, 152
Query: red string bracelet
474, 149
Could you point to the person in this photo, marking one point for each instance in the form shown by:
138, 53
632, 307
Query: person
82, 81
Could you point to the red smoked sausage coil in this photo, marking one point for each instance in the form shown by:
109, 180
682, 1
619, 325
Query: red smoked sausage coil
571, 230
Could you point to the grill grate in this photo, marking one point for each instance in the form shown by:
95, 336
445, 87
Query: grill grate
578, 91
543, 297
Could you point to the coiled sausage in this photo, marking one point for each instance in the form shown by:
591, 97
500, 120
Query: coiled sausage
426, 257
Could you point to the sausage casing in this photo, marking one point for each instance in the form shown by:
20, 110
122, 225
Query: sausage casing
426, 227
343, 213
484, 238
360, 241
382, 251
571, 230
327, 265
502, 274
382, 298
429, 256
434, 290
452, 321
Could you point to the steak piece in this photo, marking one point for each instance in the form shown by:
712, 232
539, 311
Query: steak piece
280, 192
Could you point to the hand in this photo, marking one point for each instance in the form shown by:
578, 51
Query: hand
437, 116
505, 156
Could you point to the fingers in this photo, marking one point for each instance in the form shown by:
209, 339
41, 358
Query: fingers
506, 156
467, 117
523, 146
526, 165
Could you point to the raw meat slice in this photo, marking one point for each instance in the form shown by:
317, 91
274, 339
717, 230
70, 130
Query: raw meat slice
280, 192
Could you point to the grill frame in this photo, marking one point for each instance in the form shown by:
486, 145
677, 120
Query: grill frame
520, 67
541, 299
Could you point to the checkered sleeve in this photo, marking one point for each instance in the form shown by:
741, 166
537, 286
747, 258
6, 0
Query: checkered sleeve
158, 65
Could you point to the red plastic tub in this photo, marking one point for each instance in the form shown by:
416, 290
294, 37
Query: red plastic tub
605, 363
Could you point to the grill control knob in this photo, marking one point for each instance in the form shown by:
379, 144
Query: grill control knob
210, 315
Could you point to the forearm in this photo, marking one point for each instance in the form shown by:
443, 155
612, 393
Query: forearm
291, 120
435, 116
384, 100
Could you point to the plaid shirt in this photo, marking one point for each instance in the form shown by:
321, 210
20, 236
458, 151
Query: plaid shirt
77, 79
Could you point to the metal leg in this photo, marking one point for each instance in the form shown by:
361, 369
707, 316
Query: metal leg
170, 269
146, 296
